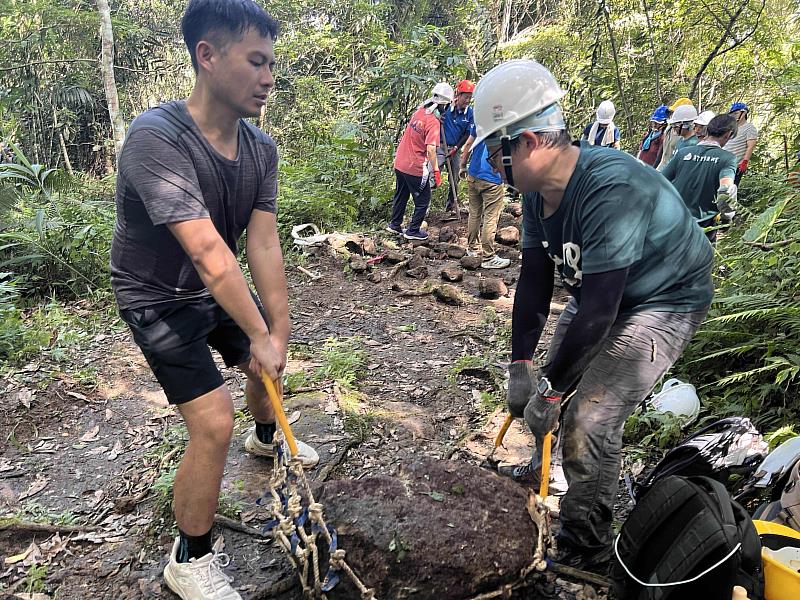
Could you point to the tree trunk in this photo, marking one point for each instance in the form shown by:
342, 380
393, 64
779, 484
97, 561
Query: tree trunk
616, 69
653, 51
107, 70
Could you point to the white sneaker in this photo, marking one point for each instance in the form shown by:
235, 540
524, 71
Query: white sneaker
495, 263
307, 455
200, 578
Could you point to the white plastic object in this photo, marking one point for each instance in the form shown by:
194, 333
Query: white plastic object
315, 238
788, 557
739, 593
678, 398
442, 93
704, 118
510, 92
682, 114
777, 461
606, 112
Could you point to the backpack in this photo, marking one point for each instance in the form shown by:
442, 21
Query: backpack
686, 528
730, 446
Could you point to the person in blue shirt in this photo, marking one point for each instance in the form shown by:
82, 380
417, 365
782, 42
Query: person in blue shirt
603, 132
486, 193
456, 124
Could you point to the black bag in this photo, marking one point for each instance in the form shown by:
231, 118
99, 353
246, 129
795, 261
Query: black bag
713, 451
683, 527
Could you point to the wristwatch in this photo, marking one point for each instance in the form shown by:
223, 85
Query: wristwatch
546, 390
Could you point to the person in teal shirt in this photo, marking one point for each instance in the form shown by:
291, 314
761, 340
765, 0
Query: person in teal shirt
705, 171
638, 269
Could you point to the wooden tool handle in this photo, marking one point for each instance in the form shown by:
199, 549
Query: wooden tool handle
506, 424
275, 399
543, 486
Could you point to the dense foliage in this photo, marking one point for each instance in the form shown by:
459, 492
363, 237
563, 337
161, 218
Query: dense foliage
349, 74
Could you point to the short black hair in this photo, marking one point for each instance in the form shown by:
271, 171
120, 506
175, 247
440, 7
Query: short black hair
223, 21
722, 124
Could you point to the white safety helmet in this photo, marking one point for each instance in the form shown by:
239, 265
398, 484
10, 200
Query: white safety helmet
510, 92
680, 399
606, 112
704, 118
442, 93
683, 114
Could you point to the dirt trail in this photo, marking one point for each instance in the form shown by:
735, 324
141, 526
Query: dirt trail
84, 459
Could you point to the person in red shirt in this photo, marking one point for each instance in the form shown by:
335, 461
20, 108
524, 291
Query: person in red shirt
415, 161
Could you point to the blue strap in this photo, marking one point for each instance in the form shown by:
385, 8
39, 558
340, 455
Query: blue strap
330, 581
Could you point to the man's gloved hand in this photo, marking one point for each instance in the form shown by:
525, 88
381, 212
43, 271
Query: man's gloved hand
462, 173
521, 383
542, 414
726, 201
452, 152
743, 165
437, 178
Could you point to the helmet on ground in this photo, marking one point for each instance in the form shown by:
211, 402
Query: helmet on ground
512, 91
736, 106
465, 86
704, 118
606, 112
660, 114
680, 399
684, 113
442, 93
679, 102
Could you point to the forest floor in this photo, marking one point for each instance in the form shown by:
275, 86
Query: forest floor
90, 443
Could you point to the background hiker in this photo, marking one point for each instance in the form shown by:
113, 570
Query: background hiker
456, 124
486, 198
639, 271
670, 137
603, 132
701, 123
415, 164
682, 124
651, 144
744, 143
193, 175
703, 171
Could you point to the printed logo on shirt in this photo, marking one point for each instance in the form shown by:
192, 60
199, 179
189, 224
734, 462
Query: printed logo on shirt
417, 126
572, 273
701, 158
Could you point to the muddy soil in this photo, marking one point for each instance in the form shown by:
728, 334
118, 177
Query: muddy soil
82, 457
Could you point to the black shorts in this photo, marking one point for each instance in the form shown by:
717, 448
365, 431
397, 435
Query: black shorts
175, 338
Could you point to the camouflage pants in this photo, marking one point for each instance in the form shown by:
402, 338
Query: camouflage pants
638, 351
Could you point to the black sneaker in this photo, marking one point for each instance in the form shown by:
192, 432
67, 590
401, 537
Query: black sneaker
527, 473
593, 560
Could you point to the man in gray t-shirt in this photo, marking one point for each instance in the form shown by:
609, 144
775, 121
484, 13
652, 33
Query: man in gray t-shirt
192, 177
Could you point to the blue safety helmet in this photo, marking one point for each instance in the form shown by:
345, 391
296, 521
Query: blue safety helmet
739, 106
660, 114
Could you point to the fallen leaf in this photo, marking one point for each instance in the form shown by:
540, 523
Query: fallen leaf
438, 496
96, 451
30, 555
294, 417
78, 396
37, 486
115, 451
109, 414
91, 435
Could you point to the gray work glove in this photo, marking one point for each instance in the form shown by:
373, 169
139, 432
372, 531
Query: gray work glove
521, 383
542, 415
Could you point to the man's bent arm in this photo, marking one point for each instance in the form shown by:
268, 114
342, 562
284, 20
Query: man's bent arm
748, 151
531, 302
265, 258
601, 294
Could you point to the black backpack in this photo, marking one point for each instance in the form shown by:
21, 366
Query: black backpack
683, 527
705, 452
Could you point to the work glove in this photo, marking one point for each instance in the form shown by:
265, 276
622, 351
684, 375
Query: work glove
726, 199
542, 415
437, 178
452, 152
743, 165
521, 383
462, 173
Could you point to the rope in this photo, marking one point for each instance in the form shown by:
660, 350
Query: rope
296, 528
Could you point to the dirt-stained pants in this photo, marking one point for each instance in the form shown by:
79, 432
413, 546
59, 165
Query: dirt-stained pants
485, 204
640, 348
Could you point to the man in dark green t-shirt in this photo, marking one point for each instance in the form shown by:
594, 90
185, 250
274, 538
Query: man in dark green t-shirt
704, 171
639, 271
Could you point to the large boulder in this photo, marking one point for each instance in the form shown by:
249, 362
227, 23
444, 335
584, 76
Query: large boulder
452, 273
439, 529
492, 288
508, 236
395, 256
447, 234
456, 251
471, 262
514, 208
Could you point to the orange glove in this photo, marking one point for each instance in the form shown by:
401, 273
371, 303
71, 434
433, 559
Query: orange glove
743, 166
437, 177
